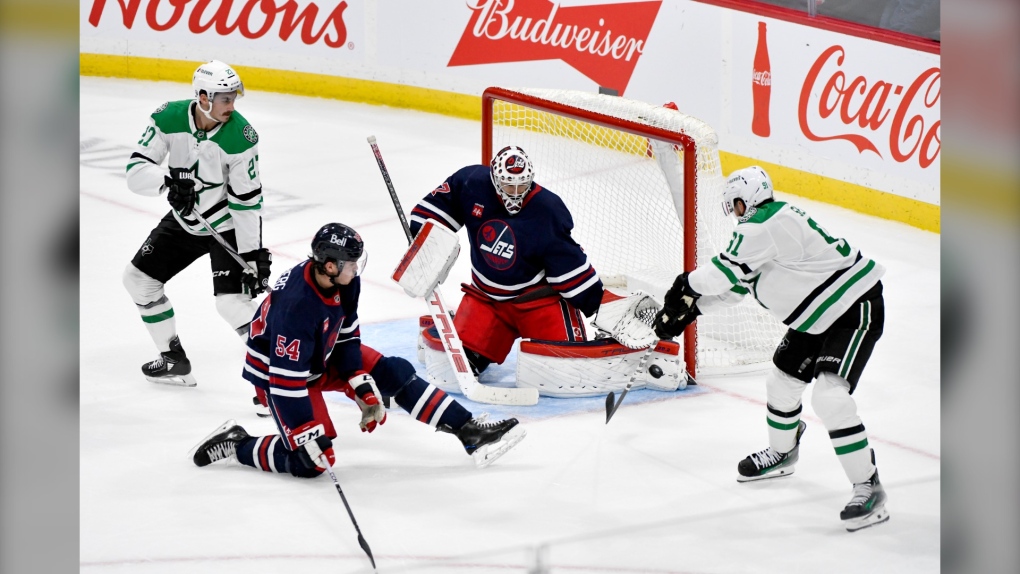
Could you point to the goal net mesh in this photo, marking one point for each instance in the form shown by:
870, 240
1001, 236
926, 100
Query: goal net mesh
626, 195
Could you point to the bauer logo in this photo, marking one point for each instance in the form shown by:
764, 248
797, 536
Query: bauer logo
602, 41
845, 98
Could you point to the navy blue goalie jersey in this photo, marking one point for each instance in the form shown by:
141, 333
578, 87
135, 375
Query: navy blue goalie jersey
512, 254
296, 330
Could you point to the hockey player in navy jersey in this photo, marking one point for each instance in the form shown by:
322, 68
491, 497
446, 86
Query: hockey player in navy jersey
530, 279
305, 339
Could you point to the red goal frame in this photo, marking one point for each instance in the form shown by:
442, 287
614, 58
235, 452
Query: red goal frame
490, 95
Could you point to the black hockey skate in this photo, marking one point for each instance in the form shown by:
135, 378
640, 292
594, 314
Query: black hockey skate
769, 463
485, 441
171, 368
221, 444
867, 507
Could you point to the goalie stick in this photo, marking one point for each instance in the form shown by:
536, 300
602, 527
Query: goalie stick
469, 385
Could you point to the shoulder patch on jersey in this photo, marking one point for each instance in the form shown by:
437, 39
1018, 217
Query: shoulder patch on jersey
172, 117
161, 108
250, 134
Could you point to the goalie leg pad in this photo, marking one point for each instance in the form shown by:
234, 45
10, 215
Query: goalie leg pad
582, 369
428, 260
665, 371
438, 370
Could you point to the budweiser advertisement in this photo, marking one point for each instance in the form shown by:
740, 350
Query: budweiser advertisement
602, 41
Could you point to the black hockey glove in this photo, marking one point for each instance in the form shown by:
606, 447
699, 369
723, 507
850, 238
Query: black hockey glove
679, 309
180, 185
257, 283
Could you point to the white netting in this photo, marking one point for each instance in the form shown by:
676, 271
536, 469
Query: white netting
626, 201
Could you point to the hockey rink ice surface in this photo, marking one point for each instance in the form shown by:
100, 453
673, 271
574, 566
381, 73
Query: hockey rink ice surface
654, 491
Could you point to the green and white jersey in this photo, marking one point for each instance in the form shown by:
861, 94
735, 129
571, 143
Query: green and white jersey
791, 265
224, 162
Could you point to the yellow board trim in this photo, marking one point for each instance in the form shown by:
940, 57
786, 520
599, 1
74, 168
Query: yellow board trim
812, 186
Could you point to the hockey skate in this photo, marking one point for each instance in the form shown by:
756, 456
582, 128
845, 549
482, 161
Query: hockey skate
485, 441
867, 507
171, 368
221, 444
768, 463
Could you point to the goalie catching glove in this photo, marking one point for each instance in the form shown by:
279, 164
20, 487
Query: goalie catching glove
680, 310
628, 318
361, 388
428, 260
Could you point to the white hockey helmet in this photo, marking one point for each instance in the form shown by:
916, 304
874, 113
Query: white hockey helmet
512, 175
752, 185
215, 77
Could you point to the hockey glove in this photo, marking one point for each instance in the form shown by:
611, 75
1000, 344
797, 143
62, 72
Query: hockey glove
363, 390
679, 311
180, 185
311, 444
257, 283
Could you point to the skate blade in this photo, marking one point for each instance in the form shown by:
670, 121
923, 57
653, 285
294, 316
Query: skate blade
488, 454
222, 428
877, 517
175, 380
784, 471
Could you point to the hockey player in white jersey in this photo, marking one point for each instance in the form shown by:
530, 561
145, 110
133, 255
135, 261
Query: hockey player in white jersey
830, 297
211, 167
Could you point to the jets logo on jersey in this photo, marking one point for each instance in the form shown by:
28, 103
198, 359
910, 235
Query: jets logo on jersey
445, 188
497, 243
477, 210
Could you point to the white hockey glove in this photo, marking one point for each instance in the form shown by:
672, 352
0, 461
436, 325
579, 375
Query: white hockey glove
428, 260
365, 392
628, 318
313, 446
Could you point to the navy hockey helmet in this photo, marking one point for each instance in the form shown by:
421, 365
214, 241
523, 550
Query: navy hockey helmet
339, 243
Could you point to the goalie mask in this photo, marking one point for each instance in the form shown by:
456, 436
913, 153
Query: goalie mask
512, 175
751, 185
340, 244
213, 78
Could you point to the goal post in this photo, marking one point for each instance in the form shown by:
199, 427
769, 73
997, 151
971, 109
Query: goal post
644, 187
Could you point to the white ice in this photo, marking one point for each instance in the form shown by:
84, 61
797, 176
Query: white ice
653, 491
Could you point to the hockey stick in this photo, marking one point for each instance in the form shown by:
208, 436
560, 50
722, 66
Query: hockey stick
361, 539
223, 243
469, 385
611, 397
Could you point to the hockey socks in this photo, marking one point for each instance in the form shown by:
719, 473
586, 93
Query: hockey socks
430, 404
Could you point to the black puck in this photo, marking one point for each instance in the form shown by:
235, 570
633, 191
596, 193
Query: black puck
655, 371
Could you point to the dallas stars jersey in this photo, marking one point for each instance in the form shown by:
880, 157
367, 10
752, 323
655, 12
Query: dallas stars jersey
513, 254
791, 265
224, 162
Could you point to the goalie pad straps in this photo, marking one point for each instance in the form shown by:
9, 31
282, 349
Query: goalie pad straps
428, 260
628, 318
593, 368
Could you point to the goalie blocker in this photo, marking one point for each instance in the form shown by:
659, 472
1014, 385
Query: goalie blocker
427, 261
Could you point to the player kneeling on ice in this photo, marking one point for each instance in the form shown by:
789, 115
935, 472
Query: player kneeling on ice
830, 297
530, 279
305, 339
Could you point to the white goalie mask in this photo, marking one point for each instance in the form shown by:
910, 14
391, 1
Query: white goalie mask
751, 185
213, 78
512, 175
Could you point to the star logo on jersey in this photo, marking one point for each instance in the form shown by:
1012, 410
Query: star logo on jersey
477, 210
445, 188
201, 184
147, 247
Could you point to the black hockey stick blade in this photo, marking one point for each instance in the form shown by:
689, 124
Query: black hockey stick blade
610, 399
364, 546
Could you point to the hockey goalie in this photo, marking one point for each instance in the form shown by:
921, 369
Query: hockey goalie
530, 280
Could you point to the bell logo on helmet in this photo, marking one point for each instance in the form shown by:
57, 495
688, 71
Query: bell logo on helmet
337, 240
